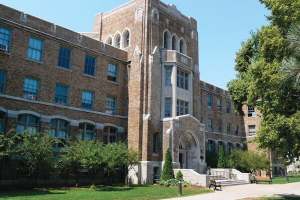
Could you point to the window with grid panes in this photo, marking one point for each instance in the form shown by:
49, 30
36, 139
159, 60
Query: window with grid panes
87, 131
182, 108
27, 122
90, 65
110, 135
31, 89
112, 72
182, 80
87, 100
35, 49
61, 95
5, 37
110, 105
64, 59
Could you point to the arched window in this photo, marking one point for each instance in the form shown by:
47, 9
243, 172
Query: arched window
211, 146
174, 40
155, 14
60, 129
87, 131
126, 36
118, 41
27, 122
2, 121
109, 40
110, 135
230, 147
166, 38
238, 146
221, 144
182, 47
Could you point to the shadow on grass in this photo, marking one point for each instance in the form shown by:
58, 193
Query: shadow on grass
289, 197
118, 188
26, 193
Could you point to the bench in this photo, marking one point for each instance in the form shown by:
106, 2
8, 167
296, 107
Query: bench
259, 179
215, 184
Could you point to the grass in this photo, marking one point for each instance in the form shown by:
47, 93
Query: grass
282, 180
145, 192
274, 198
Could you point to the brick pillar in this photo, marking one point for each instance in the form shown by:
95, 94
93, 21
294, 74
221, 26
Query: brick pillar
99, 135
45, 127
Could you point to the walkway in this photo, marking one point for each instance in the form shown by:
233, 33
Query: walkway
250, 190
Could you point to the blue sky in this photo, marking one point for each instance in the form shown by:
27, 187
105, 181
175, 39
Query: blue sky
222, 25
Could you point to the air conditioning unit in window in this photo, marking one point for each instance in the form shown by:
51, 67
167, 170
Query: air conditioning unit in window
29, 96
3, 48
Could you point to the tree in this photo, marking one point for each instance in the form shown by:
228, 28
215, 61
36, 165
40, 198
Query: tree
37, 151
168, 172
248, 161
212, 159
261, 84
116, 157
222, 160
82, 154
8, 144
179, 176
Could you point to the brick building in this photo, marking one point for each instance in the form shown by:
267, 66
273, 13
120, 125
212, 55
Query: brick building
135, 78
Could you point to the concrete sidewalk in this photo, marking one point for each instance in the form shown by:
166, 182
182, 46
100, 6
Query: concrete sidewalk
250, 190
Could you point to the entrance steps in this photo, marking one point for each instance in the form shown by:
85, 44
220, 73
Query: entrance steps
232, 182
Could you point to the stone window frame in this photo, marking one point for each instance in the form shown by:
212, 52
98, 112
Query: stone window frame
109, 40
228, 108
251, 130
237, 130
87, 100
64, 56
112, 75
87, 129
34, 48
184, 105
251, 111
57, 129
2, 82
111, 105
175, 42
24, 122
209, 101
5, 35
156, 143
182, 79
210, 125
170, 103
31, 88
182, 46
117, 40
2, 121
90, 65
219, 104
110, 136
167, 40
61, 96
153, 13
168, 75
126, 38
229, 129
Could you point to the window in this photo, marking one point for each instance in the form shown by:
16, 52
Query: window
109, 40
61, 95
228, 108
251, 111
182, 46
209, 102
31, 89
221, 144
221, 127
229, 129
110, 135
237, 130
156, 175
5, 36
87, 131
87, 100
173, 43
155, 142
2, 121
110, 105
118, 41
182, 80
2, 82
230, 147
182, 108
64, 59
168, 107
168, 72
166, 39
252, 130
59, 129
211, 146
210, 125
35, 49
238, 145
219, 105
126, 39
27, 122
112, 72
89, 67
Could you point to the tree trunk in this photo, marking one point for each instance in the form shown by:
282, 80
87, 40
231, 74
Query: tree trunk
37, 176
77, 176
286, 175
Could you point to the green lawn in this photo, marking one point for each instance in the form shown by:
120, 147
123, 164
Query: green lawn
102, 193
274, 198
282, 180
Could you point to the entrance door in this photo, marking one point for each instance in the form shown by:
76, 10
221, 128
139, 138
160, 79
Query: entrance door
182, 160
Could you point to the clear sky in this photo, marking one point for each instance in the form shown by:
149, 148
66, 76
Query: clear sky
222, 25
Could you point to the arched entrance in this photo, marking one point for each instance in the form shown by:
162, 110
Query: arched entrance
189, 151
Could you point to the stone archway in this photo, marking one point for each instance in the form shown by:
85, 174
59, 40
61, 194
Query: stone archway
189, 151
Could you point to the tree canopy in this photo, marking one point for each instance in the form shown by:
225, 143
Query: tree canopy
261, 83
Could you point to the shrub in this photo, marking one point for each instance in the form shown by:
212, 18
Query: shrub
168, 172
173, 183
179, 175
